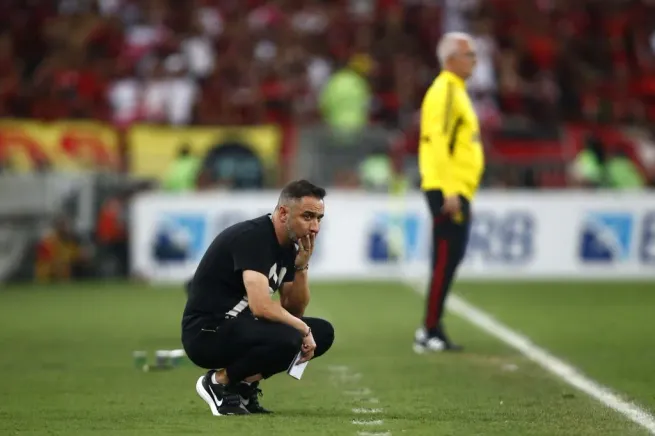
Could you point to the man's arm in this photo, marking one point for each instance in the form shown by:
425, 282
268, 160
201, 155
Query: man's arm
251, 257
263, 306
294, 295
440, 123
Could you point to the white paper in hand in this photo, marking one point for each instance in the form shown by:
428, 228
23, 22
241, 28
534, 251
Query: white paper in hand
295, 370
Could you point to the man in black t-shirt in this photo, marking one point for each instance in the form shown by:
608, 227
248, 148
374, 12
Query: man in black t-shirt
231, 324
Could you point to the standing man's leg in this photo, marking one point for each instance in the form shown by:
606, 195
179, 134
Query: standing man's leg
449, 240
450, 252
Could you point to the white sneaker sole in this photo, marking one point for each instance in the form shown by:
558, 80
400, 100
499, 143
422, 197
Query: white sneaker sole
431, 347
200, 389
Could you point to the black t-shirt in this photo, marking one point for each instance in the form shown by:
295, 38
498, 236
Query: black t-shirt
217, 288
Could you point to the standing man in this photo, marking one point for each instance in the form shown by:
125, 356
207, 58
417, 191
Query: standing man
451, 163
231, 324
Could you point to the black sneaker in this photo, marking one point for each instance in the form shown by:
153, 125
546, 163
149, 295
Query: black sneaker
250, 398
221, 399
449, 345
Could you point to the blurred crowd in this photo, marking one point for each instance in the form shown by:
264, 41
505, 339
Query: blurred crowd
254, 61
346, 64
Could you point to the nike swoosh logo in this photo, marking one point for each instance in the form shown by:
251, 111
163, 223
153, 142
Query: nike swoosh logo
218, 403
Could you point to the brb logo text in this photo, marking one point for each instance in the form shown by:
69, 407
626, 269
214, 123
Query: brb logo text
494, 238
502, 238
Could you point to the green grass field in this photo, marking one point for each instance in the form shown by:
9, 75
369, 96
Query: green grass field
66, 366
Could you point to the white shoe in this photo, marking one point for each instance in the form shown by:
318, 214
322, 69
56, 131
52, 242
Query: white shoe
423, 344
420, 335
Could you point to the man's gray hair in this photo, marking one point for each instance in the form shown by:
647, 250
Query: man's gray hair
448, 45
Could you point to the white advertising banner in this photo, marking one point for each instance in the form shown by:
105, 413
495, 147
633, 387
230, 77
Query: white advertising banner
513, 235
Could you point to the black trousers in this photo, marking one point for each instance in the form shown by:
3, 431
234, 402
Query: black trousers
449, 239
246, 346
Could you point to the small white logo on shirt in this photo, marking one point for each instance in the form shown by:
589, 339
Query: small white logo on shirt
277, 279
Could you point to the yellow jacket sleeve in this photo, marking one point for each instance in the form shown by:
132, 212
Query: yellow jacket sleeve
439, 121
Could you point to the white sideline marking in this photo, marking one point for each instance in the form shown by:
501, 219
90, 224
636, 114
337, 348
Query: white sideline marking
546, 360
344, 374
346, 378
359, 392
371, 400
373, 422
339, 368
363, 410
